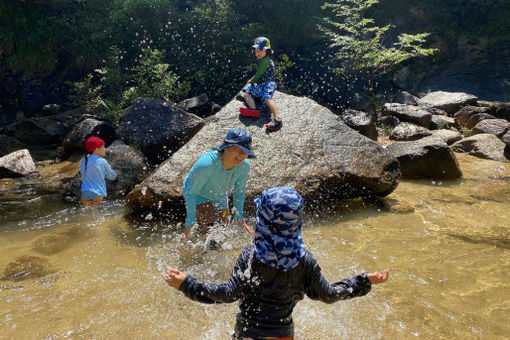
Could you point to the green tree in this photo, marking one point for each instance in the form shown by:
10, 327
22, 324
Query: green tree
361, 45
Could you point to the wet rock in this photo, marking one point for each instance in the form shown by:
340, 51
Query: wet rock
75, 140
496, 127
27, 267
404, 97
390, 121
469, 116
429, 157
361, 122
441, 122
58, 241
198, 105
315, 152
450, 102
506, 138
17, 164
397, 206
408, 113
497, 109
495, 191
129, 164
9, 144
50, 109
408, 132
482, 145
158, 128
448, 136
37, 131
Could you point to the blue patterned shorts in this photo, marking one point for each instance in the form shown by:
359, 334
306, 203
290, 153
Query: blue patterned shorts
264, 91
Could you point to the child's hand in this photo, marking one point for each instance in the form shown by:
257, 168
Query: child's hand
174, 278
378, 277
243, 225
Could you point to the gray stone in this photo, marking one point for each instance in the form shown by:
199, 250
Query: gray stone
158, 128
407, 132
506, 138
429, 157
469, 116
448, 136
314, 151
361, 122
391, 121
404, 97
198, 105
496, 127
408, 113
75, 140
450, 102
37, 131
497, 109
441, 122
483, 145
17, 164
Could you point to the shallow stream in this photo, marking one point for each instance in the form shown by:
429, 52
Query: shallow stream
447, 245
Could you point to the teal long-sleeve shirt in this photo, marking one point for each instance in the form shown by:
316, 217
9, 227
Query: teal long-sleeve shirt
209, 181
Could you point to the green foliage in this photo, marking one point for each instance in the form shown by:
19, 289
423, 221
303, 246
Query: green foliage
282, 66
466, 131
360, 43
109, 91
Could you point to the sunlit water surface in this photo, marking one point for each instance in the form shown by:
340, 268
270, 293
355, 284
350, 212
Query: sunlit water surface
447, 245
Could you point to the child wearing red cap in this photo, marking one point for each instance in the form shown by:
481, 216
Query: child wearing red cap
94, 169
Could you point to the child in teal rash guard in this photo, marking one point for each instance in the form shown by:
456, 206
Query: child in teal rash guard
262, 84
208, 182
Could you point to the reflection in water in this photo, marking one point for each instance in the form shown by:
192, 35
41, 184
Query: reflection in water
447, 245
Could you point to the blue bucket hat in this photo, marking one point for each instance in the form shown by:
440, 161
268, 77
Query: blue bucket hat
238, 137
262, 43
278, 240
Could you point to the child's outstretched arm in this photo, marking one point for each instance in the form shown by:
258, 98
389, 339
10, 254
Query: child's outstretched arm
227, 292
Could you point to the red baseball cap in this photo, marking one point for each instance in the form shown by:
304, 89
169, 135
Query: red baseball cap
92, 143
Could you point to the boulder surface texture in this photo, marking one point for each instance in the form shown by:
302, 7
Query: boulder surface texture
17, 164
314, 151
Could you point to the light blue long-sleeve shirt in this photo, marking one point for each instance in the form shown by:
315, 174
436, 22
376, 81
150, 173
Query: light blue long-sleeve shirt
209, 181
93, 178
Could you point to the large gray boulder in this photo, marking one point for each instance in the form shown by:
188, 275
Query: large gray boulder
429, 157
450, 102
483, 145
441, 122
75, 140
37, 131
506, 138
407, 132
315, 152
448, 136
129, 164
469, 116
17, 164
496, 127
408, 113
360, 121
157, 127
497, 109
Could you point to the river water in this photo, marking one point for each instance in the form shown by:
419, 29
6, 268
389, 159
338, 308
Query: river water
447, 245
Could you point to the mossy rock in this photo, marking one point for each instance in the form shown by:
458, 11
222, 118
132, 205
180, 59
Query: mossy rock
56, 242
28, 267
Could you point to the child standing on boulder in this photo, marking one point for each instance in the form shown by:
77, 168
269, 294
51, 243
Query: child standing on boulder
273, 273
262, 84
94, 169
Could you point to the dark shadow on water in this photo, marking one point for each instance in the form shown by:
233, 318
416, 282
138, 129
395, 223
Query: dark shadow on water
503, 243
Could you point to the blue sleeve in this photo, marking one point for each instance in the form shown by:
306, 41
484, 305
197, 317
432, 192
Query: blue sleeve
109, 174
240, 190
195, 181
234, 289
